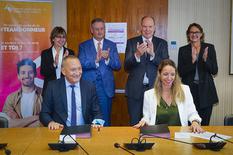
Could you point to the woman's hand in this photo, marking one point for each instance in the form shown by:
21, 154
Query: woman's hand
140, 124
196, 127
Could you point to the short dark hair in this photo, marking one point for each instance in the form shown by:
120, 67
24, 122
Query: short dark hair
56, 31
197, 26
147, 17
95, 20
28, 62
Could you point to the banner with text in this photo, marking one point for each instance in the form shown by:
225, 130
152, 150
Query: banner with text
24, 31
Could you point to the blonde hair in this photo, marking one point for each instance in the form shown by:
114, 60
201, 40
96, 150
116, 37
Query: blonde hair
176, 89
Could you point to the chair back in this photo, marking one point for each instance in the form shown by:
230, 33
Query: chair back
3, 122
228, 120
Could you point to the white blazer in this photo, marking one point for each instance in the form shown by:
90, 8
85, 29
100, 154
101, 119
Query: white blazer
187, 109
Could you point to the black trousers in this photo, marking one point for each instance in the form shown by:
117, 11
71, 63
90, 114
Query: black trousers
204, 113
135, 107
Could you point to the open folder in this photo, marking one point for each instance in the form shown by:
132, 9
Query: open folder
160, 130
81, 131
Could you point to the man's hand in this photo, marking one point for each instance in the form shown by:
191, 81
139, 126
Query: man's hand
105, 53
55, 126
150, 48
141, 49
98, 56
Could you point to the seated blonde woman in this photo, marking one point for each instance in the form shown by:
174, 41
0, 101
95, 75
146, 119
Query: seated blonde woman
169, 102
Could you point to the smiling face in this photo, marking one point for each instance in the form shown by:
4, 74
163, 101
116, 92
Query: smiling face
148, 27
26, 76
167, 76
195, 34
59, 40
98, 30
72, 70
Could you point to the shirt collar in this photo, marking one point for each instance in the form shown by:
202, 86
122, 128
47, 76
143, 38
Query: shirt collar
144, 39
96, 41
68, 84
54, 50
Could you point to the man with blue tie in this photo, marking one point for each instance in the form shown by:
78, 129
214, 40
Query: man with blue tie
70, 101
99, 58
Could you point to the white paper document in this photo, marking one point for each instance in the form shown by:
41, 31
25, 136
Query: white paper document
67, 138
205, 135
180, 135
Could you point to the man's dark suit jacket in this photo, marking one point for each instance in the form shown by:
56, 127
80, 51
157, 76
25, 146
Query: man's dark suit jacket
134, 85
206, 70
54, 105
47, 69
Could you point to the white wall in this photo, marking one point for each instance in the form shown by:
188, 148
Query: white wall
214, 17
59, 13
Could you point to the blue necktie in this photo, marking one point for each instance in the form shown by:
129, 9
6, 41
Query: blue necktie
73, 107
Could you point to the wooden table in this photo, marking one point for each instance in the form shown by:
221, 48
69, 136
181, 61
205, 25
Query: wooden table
32, 141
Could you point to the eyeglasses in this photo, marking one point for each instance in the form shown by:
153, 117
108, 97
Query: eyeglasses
60, 37
195, 33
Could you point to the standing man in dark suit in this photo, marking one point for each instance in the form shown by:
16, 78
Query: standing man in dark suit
142, 57
99, 58
70, 101
51, 59
197, 65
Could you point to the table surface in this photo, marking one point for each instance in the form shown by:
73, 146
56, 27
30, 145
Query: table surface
31, 141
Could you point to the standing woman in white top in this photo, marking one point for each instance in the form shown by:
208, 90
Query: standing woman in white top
169, 102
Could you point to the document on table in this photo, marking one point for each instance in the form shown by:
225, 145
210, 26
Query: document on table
205, 135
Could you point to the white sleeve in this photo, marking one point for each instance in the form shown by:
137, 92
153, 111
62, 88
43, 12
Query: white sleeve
146, 108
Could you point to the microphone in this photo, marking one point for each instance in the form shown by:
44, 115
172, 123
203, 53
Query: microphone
215, 135
117, 145
62, 146
139, 145
3, 146
214, 146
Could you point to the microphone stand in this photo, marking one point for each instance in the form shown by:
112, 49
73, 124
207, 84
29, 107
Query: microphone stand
215, 135
64, 123
3, 146
63, 141
117, 145
151, 135
214, 146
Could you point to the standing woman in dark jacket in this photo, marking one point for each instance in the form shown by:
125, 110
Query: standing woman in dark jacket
197, 65
51, 58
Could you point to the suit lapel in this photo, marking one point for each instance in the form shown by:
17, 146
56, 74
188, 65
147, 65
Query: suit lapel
63, 93
105, 46
92, 52
50, 54
83, 98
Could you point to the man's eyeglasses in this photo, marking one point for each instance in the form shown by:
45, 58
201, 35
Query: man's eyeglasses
195, 33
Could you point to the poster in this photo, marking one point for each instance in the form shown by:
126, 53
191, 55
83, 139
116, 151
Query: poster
25, 27
117, 32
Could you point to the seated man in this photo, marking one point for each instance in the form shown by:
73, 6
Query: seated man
70, 101
23, 106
